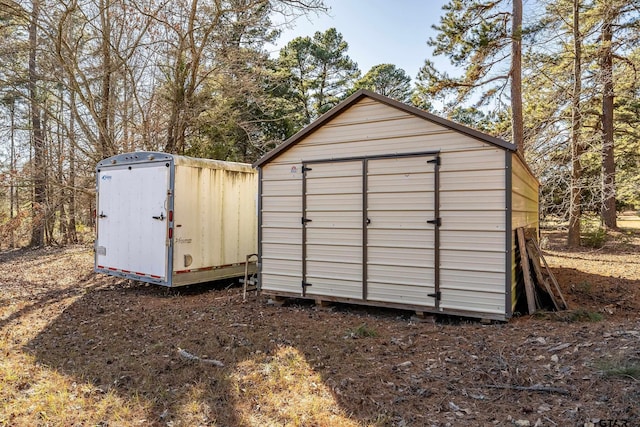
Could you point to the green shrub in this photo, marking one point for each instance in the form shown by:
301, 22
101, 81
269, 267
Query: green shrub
363, 331
620, 368
582, 315
594, 237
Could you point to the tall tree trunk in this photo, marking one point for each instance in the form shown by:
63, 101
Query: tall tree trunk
62, 214
517, 123
12, 171
71, 226
575, 210
104, 129
49, 177
608, 211
39, 181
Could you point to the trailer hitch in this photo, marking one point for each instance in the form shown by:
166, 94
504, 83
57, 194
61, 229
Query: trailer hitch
161, 217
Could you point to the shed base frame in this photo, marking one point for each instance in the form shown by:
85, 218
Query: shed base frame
409, 307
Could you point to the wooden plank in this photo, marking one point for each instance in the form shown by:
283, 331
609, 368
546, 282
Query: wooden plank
537, 268
553, 278
526, 272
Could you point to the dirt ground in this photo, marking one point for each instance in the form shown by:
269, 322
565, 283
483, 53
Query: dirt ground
85, 349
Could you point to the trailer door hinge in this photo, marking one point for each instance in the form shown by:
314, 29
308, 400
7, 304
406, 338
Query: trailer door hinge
437, 222
436, 295
306, 168
435, 160
305, 284
306, 220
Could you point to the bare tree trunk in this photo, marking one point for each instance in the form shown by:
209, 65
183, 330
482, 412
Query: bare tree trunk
575, 210
104, 141
12, 172
608, 210
180, 101
39, 181
517, 123
71, 226
62, 215
50, 200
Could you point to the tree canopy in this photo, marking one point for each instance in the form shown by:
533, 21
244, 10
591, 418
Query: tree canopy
80, 81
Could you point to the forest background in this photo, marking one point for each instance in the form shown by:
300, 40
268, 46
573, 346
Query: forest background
82, 80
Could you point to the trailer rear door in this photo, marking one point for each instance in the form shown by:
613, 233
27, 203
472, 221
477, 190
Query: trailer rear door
132, 219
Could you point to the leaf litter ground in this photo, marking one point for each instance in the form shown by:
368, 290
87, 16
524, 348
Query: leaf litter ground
85, 349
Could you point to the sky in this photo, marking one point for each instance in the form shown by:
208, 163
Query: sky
377, 31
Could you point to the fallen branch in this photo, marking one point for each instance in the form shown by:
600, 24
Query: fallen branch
536, 388
186, 355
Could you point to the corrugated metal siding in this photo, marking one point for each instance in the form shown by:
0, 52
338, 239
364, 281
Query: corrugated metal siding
472, 252
281, 228
524, 195
400, 242
360, 132
334, 207
472, 208
215, 212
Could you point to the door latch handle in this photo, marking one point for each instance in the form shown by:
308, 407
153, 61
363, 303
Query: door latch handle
102, 215
161, 217
368, 221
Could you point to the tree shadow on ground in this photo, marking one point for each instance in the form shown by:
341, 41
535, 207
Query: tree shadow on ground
126, 339
378, 366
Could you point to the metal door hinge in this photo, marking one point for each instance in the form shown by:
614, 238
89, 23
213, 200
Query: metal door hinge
305, 284
437, 222
305, 220
435, 160
436, 295
306, 168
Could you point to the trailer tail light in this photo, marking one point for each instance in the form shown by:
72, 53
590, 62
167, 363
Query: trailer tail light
170, 232
170, 216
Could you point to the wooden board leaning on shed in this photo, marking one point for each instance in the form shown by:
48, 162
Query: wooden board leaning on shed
537, 276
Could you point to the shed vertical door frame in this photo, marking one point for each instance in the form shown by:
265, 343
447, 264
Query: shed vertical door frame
365, 224
304, 229
436, 229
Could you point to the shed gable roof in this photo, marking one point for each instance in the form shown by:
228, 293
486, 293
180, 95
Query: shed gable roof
362, 93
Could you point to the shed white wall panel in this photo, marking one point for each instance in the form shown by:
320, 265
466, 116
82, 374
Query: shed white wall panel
281, 228
524, 197
472, 208
524, 202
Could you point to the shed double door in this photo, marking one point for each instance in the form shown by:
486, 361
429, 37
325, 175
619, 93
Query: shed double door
370, 229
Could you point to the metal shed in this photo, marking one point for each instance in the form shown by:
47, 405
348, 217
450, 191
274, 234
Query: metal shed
380, 203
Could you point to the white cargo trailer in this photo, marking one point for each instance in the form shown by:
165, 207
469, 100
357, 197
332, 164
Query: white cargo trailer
174, 220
